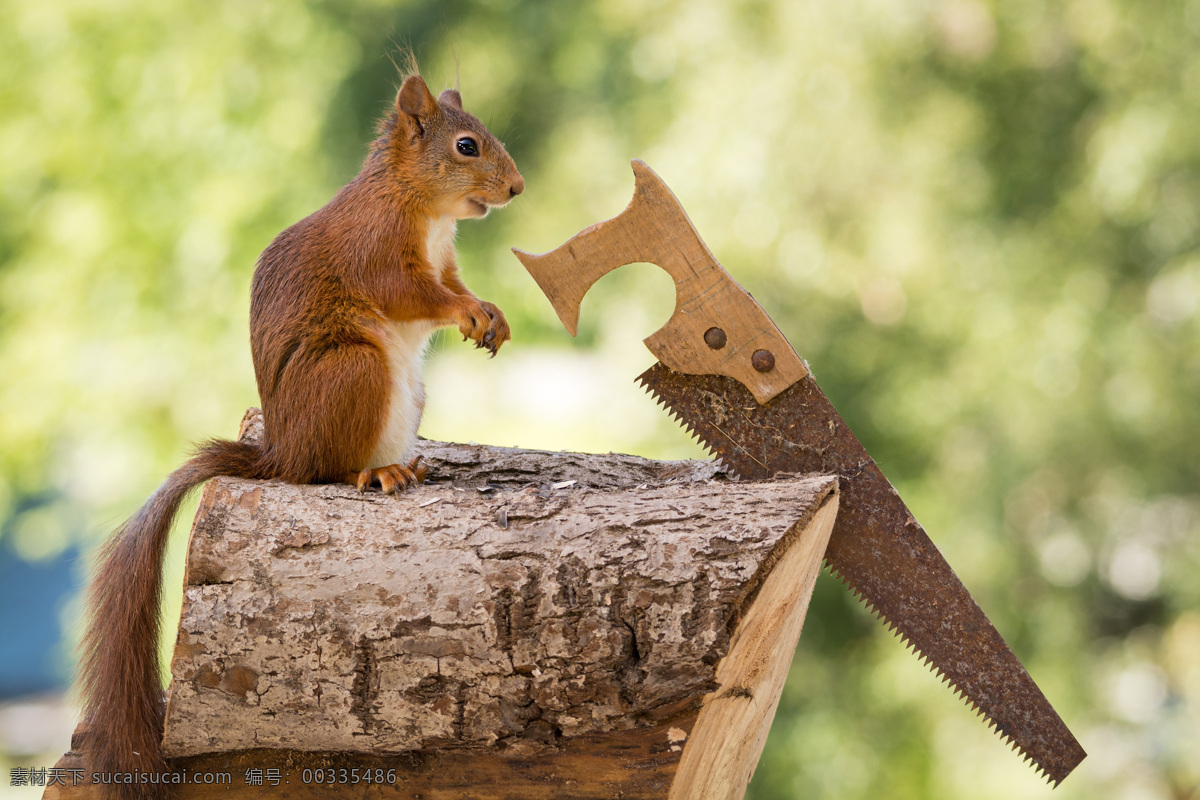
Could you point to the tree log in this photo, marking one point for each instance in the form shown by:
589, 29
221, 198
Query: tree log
526, 625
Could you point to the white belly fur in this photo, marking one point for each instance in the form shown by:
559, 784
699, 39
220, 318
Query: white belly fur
406, 343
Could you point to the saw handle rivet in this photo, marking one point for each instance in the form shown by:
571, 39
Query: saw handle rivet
763, 360
715, 338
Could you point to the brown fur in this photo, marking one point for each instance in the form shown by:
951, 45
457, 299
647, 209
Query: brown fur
322, 295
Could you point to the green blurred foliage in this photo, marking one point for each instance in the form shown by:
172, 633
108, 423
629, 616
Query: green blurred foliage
976, 220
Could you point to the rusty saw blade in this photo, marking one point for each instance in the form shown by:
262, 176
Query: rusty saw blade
877, 548
731, 378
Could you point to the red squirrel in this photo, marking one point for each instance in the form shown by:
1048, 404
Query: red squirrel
342, 305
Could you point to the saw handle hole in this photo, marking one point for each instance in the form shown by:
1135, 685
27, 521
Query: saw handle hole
627, 305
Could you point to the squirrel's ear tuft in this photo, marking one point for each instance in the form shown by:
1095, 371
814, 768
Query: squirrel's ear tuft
451, 97
414, 98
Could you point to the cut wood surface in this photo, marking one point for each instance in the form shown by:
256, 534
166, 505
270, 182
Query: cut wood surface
732, 728
528, 625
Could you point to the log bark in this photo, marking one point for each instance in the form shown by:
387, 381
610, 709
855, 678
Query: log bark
526, 625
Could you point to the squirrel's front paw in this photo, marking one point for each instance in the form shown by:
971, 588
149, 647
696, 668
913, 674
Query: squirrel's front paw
498, 331
473, 320
484, 323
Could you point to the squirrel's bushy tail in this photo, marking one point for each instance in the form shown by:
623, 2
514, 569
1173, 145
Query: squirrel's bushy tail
119, 670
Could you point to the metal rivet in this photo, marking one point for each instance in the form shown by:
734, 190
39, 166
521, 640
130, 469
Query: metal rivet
714, 338
763, 361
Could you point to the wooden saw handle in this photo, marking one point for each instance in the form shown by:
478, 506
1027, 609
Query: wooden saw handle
716, 329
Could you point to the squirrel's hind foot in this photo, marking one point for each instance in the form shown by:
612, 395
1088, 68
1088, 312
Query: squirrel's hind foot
390, 479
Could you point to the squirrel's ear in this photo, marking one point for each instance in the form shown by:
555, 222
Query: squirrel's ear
414, 98
451, 97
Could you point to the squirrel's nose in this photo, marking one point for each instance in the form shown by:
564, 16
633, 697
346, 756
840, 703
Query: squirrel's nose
516, 187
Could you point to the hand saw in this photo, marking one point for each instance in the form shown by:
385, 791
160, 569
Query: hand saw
730, 377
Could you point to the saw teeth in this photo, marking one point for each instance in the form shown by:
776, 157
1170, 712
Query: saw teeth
910, 646
677, 417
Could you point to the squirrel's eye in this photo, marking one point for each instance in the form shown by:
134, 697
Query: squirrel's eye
467, 146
